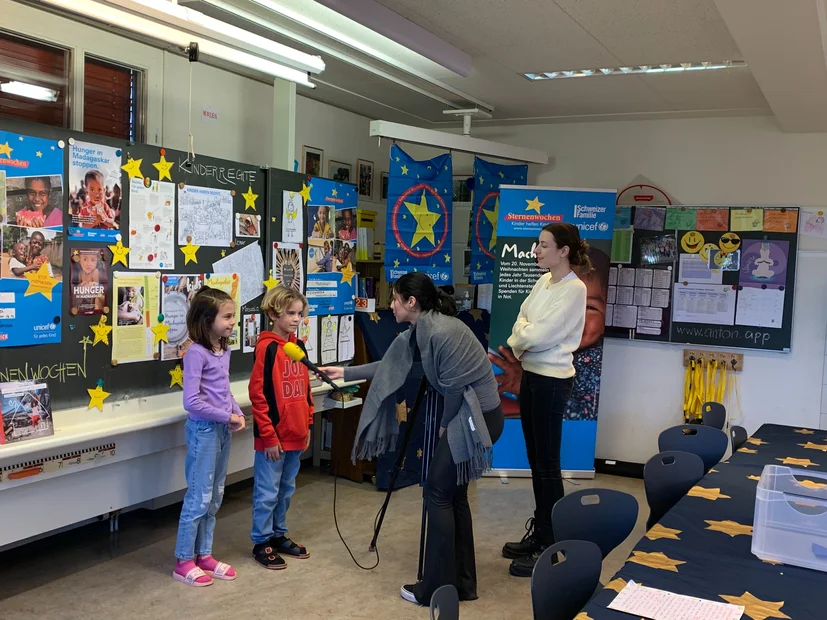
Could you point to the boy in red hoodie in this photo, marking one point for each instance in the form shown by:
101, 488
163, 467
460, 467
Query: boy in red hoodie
282, 414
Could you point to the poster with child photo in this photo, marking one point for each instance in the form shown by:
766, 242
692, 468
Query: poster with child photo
90, 281
94, 192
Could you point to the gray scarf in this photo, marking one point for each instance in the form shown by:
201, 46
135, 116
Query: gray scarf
468, 436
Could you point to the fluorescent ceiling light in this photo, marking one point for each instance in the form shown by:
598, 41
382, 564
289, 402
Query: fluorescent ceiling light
31, 91
128, 21
637, 70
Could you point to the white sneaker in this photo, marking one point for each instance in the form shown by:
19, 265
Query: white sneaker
407, 593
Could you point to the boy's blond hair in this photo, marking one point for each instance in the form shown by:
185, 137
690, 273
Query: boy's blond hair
279, 298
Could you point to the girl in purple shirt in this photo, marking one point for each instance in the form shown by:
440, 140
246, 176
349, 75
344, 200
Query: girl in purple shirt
213, 415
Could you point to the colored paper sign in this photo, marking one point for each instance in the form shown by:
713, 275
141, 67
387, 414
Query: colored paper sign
648, 218
746, 220
681, 218
623, 217
95, 192
712, 219
780, 220
138, 299
89, 292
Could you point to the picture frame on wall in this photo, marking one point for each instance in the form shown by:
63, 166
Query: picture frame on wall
364, 171
339, 171
312, 161
385, 179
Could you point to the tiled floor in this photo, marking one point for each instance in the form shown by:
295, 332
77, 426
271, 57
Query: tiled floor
86, 574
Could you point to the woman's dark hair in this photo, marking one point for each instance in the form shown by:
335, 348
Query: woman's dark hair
427, 295
567, 235
200, 318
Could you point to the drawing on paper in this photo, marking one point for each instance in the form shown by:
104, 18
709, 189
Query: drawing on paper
248, 263
287, 262
205, 215
347, 348
330, 337
292, 219
309, 335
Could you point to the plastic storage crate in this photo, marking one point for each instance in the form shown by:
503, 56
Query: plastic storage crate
791, 517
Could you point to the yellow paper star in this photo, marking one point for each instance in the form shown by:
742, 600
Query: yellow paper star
40, 281
404, 170
729, 527
402, 412
755, 608
656, 560
419, 453
492, 216
582, 616
176, 377
5, 149
814, 446
38, 154
334, 193
658, 531
757, 442
374, 316
270, 282
476, 313
502, 174
425, 221
479, 266
348, 274
748, 450
101, 331
119, 253
710, 494
713, 471
481, 180
447, 258
223, 253
189, 251
249, 198
305, 193
773, 562
96, 397
809, 484
534, 204
755, 478
160, 331
133, 168
804, 431
616, 584
396, 262
793, 461
163, 167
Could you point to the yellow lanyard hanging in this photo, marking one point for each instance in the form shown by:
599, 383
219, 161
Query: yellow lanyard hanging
687, 389
722, 384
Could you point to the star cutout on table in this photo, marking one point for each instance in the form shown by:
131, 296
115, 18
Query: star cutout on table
404, 169
757, 442
773, 562
249, 198
809, 484
419, 453
305, 193
582, 616
492, 216
704, 493
447, 258
176, 377
747, 450
5, 149
616, 584
189, 251
476, 313
402, 412
814, 446
804, 431
38, 154
40, 281
425, 220
334, 193
756, 478
160, 331
348, 274
396, 262
657, 560
96, 397
799, 462
534, 204
658, 531
755, 608
223, 253
374, 316
119, 253
729, 527
713, 471
101, 331
270, 282
163, 167
133, 168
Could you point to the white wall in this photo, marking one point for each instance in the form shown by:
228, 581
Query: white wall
722, 161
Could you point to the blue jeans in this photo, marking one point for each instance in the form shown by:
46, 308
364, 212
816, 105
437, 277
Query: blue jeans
274, 483
208, 454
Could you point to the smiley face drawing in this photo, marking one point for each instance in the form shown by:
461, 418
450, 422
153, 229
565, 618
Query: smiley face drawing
692, 241
709, 248
730, 242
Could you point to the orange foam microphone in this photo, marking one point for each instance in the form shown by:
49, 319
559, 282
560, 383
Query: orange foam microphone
295, 353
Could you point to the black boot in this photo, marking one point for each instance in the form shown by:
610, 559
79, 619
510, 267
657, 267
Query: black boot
524, 548
524, 567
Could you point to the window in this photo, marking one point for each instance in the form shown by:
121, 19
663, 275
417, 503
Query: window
34, 79
112, 100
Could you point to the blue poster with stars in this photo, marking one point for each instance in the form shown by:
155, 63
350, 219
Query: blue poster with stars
418, 234
488, 177
31, 214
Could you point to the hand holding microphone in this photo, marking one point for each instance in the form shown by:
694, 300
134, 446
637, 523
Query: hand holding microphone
295, 353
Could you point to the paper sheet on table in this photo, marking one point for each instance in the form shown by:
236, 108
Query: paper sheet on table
699, 303
661, 605
248, 263
760, 307
694, 270
205, 215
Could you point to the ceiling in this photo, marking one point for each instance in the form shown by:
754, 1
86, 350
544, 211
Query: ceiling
783, 44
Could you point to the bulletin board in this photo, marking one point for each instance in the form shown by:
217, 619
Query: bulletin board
704, 275
143, 185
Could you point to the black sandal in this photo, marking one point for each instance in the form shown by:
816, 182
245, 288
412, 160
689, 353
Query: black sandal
288, 547
266, 555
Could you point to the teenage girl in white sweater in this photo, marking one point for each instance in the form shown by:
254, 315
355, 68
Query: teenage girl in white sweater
545, 335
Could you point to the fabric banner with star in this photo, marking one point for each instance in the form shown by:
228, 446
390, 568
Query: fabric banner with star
95, 192
523, 213
418, 233
488, 177
31, 215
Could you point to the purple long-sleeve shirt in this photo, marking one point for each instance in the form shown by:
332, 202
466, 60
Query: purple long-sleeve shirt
207, 395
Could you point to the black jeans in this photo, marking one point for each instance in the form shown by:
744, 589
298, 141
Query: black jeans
449, 545
543, 402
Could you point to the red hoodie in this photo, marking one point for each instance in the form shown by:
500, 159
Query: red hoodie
280, 392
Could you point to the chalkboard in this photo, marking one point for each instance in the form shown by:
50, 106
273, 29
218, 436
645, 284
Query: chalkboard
748, 302
75, 365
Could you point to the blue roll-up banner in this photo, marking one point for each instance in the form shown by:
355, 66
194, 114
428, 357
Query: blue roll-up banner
523, 213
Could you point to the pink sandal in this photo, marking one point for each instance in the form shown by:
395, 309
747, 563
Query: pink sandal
192, 578
219, 570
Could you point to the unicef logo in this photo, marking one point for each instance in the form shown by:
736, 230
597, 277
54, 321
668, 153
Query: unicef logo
443, 276
52, 326
603, 226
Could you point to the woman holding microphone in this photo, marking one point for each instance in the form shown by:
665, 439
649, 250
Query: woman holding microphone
544, 336
456, 365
